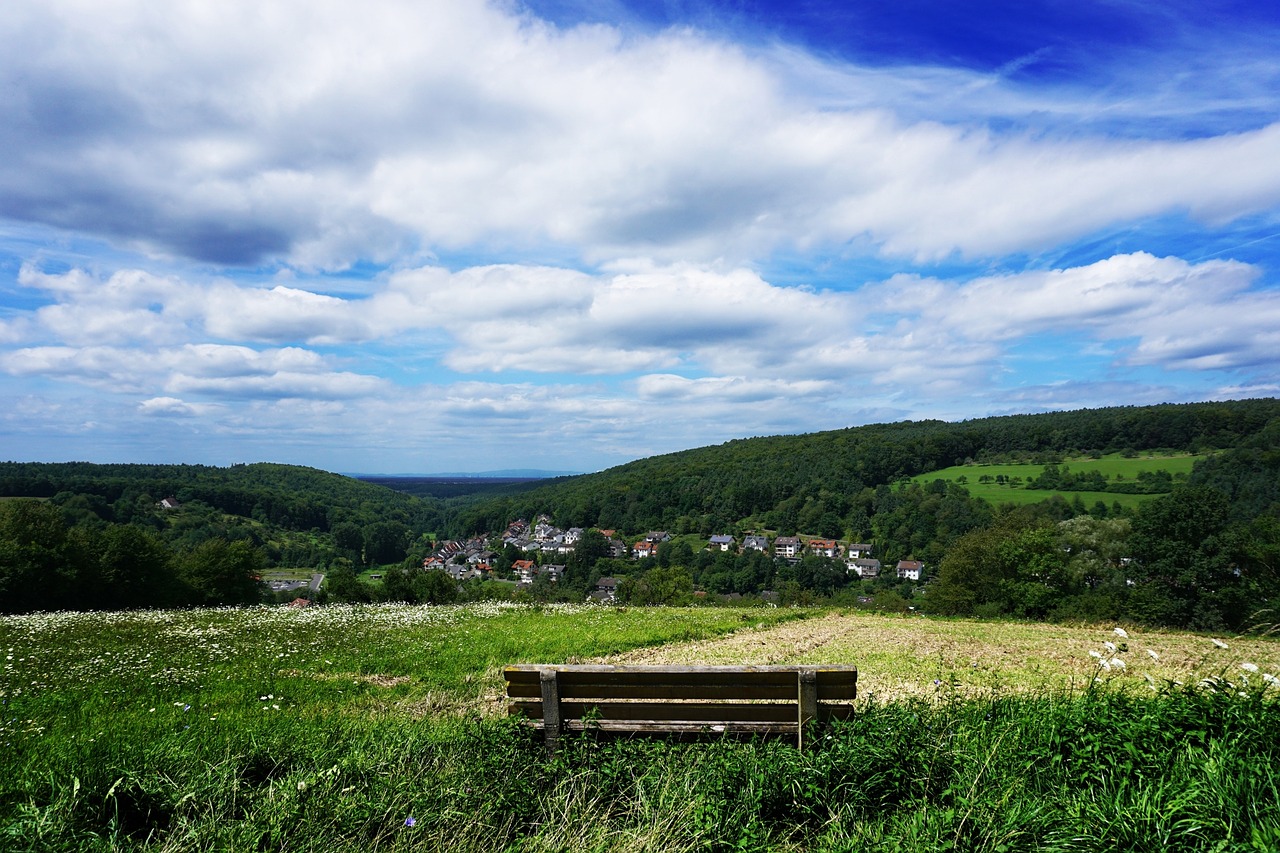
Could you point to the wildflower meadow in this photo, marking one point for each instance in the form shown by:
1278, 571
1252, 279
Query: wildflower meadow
384, 728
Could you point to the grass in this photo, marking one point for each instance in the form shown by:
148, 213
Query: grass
903, 656
1111, 466
381, 728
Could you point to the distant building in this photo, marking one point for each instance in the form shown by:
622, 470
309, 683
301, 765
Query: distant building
787, 546
864, 567
721, 543
644, 548
824, 547
910, 570
606, 590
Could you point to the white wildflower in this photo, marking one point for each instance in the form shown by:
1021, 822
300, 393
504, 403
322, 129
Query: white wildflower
1104, 664
1154, 654
1269, 678
1220, 644
1111, 647
1117, 663
1249, 667
1095, 654
1120, 632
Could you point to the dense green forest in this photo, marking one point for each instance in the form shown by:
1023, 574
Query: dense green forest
100, 537
1199, 551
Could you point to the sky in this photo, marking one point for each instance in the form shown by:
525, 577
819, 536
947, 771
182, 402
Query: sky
411, 237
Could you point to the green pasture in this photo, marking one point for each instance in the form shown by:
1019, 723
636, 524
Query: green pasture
1111, 466
383, 728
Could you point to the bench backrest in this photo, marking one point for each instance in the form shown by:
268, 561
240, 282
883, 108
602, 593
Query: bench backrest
681, 699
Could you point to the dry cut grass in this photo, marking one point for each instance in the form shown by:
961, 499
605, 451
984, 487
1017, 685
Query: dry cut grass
900, 657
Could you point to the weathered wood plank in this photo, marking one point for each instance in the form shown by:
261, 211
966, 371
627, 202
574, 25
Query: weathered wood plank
551, 719
686, 683
784, 714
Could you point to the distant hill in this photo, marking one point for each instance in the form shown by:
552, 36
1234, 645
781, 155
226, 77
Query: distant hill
290, 510
784, 481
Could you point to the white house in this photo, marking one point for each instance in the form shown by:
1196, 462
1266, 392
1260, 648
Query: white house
863, 567
721, 543
910, 569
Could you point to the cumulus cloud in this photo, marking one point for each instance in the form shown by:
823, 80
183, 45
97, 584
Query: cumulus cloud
209, 369
680, 331
170, 407
343, 134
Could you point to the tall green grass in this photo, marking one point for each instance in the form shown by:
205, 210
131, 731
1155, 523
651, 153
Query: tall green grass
256, 743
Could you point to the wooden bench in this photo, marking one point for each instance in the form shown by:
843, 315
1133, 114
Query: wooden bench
680, 700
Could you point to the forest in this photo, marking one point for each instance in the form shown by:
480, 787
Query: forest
1200, 552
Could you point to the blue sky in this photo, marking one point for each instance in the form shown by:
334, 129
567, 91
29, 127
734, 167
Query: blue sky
407, 237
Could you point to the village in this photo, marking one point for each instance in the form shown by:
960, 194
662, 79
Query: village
544, 550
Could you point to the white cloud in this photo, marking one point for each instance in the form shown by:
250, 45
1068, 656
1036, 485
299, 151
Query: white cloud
725, 327
732, 389
171, 407
334, 133
208, 369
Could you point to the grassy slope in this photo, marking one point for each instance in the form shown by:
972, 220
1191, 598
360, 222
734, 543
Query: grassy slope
1109, 466
331, 727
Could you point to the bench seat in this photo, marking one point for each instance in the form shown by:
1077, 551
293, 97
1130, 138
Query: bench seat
680, 700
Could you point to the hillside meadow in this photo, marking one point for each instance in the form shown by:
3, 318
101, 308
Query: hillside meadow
383, 727
1114, 468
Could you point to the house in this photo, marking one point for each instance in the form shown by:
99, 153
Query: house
656, 536
525, 569
644, 548
787, 546
864, 567
859, 549
824, 547
606, 590
756, 543
545, 531
437, 563
720, 543
462, 572
170, 503
910, 569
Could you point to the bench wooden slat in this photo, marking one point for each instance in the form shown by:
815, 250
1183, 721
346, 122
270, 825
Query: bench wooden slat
833, 683
722, 692
662, 713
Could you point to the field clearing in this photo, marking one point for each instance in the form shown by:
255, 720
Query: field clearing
900, 657
1111, 466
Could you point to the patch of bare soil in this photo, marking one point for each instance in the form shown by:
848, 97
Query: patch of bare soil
754, 647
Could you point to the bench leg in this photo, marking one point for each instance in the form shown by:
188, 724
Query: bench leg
550, 682
807, 682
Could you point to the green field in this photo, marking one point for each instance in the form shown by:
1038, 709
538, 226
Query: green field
1111, 467
383, 728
